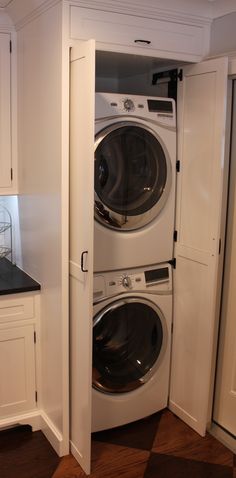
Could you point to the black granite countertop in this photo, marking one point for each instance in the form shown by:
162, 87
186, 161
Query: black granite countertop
14, 280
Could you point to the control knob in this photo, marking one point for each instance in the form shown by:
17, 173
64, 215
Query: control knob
126, 282
128, 105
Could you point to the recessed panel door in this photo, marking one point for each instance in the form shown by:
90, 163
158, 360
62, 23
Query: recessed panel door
202, 118
82, 93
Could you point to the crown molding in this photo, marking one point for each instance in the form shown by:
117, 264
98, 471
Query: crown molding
24, 13
131, 7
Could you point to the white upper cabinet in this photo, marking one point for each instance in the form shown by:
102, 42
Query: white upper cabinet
143, 36
5, 114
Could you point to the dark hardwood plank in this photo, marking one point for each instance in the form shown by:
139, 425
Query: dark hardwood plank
108, 461
24, 454
174, 437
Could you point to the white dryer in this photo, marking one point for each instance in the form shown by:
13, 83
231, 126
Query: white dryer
135, 169
131, 344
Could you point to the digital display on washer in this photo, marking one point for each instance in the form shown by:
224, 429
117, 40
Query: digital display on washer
157, 106
156, 275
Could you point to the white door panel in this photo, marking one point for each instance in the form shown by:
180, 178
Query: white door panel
202, 115
81, 245
225, 393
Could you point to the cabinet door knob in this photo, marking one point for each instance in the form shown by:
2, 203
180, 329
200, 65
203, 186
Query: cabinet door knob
147, 42
82, 261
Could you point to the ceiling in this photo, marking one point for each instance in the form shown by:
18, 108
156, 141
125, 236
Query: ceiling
5, 3
205, 8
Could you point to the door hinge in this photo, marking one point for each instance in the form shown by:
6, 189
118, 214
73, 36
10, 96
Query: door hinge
178, 166
36, 396
172, 327
34, 337
172, 262
219, 246
180, 75
11, 174
175, 236
10, 46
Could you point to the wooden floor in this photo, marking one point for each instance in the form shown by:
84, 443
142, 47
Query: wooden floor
161, 446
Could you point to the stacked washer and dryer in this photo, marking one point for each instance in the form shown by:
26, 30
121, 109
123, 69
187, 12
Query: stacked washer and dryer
135, 159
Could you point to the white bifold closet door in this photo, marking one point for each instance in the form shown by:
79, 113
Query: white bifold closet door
82, 100
201, 125
202, 99
225, 392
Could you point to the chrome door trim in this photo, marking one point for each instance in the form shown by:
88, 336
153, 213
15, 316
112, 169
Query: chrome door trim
113, 220
148, 376
104, 119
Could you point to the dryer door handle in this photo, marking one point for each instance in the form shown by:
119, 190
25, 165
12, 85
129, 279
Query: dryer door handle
82, 261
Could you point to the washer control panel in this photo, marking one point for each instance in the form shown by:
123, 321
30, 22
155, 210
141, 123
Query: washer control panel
152, 279
125, 282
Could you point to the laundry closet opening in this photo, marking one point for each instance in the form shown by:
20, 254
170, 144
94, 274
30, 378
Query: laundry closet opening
132, 74
135, 160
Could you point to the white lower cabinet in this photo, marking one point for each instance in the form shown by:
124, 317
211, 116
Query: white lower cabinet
19, 323
17, 370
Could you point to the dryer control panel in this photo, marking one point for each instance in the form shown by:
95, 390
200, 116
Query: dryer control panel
156, 279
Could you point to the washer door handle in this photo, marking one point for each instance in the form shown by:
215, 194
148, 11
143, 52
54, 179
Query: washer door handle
82, 261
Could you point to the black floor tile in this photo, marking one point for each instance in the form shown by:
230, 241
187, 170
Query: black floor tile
166, 466
139, 434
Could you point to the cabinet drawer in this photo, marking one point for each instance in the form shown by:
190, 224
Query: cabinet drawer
167, 39
16, 309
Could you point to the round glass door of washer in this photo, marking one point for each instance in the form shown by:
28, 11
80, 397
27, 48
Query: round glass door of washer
132, 176
129, 341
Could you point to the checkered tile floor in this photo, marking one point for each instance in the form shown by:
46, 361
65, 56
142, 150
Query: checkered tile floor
160, 446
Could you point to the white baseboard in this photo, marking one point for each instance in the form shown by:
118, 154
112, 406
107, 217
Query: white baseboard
38, 420
52, 434
31, 418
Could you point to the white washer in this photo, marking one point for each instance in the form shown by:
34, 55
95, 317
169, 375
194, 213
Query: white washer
131, 344
135, 169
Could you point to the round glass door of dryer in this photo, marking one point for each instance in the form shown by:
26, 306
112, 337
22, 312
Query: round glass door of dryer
129, 341
132, 176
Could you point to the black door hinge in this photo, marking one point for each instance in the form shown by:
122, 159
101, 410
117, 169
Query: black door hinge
36, 396
35, 337
175, 236
178, 166
11, 174
180, 75
172, 327
10, 46
172, 262
219, 246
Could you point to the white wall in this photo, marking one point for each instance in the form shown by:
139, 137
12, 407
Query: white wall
223, 34
40, 189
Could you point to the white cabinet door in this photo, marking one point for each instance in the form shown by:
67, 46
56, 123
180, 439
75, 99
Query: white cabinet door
17, 370
225, 391
82, 100
5, 112
202, 116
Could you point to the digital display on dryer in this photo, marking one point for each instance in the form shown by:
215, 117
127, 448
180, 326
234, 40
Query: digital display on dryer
158, 106
157, 275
